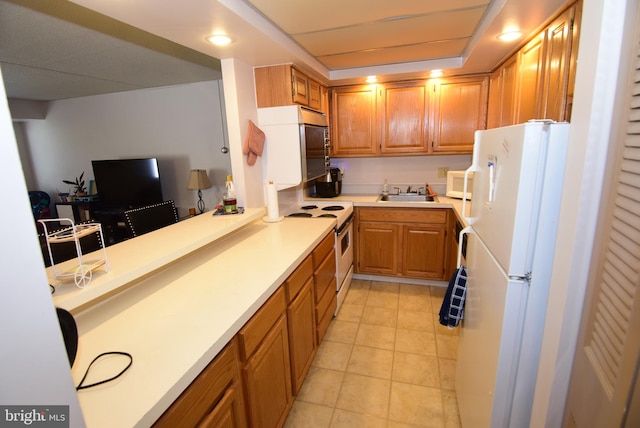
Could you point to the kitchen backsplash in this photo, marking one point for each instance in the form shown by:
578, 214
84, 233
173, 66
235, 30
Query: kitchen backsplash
367, 175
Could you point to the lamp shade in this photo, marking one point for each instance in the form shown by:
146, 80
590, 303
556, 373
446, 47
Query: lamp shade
198, 180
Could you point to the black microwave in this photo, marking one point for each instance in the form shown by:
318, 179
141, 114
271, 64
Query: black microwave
314, 144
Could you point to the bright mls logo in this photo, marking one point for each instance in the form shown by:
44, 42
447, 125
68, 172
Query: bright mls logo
34, 416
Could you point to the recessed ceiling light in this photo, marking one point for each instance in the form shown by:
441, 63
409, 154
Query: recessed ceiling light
435, 73
509, 36
220, 39
372, 79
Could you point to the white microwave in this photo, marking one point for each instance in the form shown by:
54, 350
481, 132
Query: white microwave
455, 184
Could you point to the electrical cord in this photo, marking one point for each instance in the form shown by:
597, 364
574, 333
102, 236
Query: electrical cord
126, 354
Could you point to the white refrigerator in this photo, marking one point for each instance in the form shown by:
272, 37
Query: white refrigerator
517, 189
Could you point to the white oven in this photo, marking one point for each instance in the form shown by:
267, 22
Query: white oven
343, 213
344, 259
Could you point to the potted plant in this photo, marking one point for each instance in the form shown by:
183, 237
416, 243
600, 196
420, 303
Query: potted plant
79, 187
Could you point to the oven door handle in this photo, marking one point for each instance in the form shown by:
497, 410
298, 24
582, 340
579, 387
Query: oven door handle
345, 224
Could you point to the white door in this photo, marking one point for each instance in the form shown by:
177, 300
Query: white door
489, 340
604, 379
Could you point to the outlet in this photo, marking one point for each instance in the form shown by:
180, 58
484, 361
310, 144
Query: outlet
442, 172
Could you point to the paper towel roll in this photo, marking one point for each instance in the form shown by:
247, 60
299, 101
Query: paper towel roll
273, 210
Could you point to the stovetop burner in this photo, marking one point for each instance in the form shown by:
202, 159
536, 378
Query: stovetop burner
333, 208
328, 215
300, 215
308, 207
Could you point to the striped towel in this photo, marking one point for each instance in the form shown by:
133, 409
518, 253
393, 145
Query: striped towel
452, 309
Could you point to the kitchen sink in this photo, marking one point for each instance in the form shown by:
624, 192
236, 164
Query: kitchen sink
406, 197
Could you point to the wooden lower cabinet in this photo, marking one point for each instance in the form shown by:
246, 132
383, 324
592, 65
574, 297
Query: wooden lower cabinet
266, 367
301, 321
254, 379
324, 277
214, 398
404, 242
267, 376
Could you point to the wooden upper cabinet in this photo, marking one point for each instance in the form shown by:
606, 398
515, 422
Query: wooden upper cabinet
353, 121
283, 85
502, 95
557, 65
403, 117
530, 72
460, 108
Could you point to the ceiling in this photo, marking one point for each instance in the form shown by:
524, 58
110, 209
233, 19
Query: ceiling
57, 49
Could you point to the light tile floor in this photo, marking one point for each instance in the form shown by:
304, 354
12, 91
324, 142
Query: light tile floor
384, 362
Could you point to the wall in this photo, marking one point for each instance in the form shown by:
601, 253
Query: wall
367, 175
34, 367
180, 125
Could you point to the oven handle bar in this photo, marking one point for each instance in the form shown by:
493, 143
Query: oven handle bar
345, 224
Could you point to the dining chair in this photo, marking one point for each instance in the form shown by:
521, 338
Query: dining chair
150, 217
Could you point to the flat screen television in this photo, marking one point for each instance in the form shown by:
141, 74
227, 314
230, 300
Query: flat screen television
127, 183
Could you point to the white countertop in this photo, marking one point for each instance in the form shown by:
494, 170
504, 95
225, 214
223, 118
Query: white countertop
135, 258
175, 321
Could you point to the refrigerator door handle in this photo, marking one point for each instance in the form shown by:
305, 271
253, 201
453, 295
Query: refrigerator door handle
463, 232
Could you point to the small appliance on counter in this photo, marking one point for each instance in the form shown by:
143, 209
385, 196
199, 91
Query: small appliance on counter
329, 185
455, 185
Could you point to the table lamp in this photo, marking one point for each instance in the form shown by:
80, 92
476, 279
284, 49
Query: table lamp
198, 180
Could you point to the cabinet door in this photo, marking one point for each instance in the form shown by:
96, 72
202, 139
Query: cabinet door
530, 72
267, 376
423, 252
495, 99
315, 95
229, 412
557, 63
378, 246
460, 109
403, 115
300, 85
353, 121
302, 327
508, 92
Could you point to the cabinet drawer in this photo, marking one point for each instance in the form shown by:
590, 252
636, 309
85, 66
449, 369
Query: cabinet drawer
324, 274
205, 391
323, 322
324, 300
323, 249
298, 278
403, 215
250, 336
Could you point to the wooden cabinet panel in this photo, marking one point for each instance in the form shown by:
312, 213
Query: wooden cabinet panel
315, 95
354, 121
424, 251
378, 248
283, 85
324, 320
502, 95
254, 331
300, 83
227, 414
408, 242
301, 321
213, 398
324, 273
556, 71
323, 249
460, 109
403, 116
298, 278
267, 376
530, 71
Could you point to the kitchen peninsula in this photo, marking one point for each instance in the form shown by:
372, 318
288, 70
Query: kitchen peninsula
173, 299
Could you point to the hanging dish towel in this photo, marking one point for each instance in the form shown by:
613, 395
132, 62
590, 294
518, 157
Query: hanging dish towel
452, 309
253, 144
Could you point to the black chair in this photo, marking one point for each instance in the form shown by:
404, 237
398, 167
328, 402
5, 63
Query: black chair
149, 218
